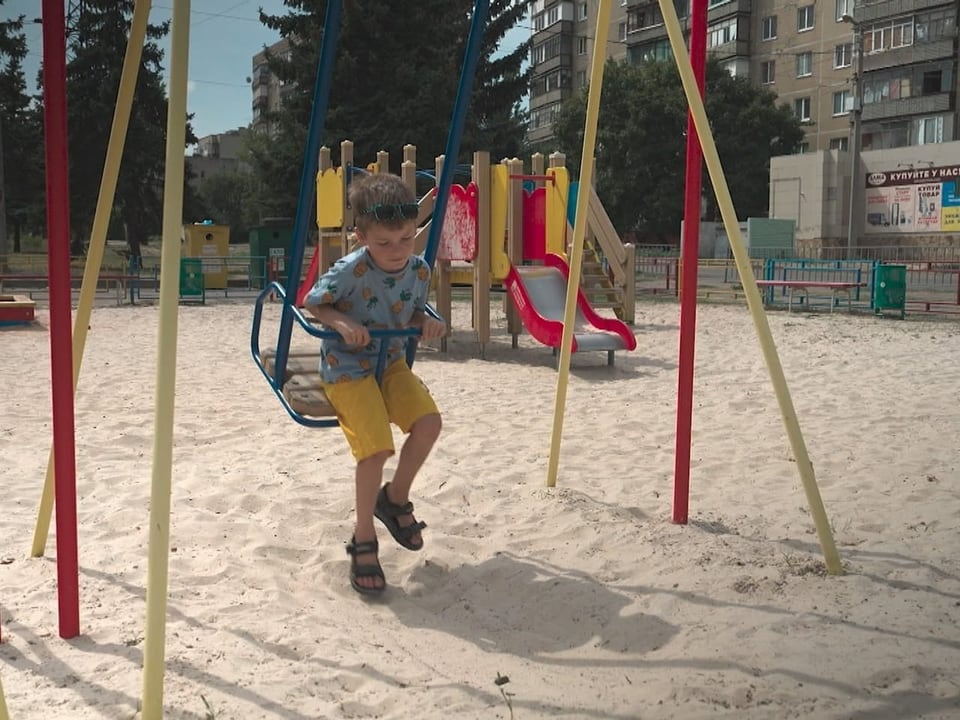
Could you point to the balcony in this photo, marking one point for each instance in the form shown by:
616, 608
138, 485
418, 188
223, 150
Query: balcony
735, 48
918, 52
903, 107
894, 8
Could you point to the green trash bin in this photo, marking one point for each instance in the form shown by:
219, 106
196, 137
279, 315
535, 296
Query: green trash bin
193, 287
271, 240
890, 288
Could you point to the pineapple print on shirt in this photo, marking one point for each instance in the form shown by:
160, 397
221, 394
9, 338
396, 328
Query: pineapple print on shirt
355, 286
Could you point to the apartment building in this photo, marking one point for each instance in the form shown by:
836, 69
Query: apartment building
910, 78
562, 34
268, 90
803, 50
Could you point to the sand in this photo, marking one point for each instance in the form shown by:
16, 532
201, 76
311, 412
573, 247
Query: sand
582, 601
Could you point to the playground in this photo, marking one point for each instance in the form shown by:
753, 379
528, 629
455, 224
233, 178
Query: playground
218, 583
586, 596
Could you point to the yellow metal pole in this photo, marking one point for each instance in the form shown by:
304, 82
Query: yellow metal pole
790, 421
160, 489
98, 237
579, 230
4, 714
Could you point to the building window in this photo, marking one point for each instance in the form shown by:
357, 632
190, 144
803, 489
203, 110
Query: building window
801, 108
842, 102
932, 82
929, 130
622, 31
553, 15
769, 30
888, 35
839, 144
805, 18
581, 45
553, 80
721, 34
651, 52
844, 7
581, 11
581, 79
803, 148
545, 116
804, 64
935, 25
767, 72
842, 56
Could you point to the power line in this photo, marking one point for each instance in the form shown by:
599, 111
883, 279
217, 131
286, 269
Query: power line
211, 15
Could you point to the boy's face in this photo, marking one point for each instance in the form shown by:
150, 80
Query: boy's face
389, 246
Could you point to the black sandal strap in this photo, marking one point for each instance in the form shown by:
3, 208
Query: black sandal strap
364, 548
412, 529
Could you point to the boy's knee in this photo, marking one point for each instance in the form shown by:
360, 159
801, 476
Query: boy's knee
428, 426
378, 459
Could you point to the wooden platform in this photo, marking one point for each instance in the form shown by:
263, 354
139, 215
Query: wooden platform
302, 388
17, 310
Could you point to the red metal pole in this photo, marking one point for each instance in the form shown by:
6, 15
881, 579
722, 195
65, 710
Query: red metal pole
61, 342
688, 282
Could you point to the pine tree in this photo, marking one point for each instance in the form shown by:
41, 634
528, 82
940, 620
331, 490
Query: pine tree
21, 191
93, 77
395, 82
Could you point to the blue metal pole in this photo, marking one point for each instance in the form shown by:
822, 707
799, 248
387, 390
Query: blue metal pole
480, 11
321, 95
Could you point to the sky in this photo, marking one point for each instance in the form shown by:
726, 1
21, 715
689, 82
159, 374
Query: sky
224, 37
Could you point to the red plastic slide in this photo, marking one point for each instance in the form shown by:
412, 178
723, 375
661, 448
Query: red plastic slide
540, 291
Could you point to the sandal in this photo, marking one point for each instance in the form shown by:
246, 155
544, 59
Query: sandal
366, 570
387, 513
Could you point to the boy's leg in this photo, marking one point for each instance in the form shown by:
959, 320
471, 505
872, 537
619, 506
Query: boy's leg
368, 479
365, 423
416, 448
411, 407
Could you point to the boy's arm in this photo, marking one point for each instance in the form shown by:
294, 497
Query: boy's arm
352, 332
430, 327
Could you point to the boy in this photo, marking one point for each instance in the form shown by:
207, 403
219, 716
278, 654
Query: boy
381, 285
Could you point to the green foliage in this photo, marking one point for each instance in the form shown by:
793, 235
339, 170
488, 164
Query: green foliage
641, 143
227, 198
93, 78
21, 137
395, 80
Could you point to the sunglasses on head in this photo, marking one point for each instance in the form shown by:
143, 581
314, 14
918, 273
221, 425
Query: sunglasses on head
385, 213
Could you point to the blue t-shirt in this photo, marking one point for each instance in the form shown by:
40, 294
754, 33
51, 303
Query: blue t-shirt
373, 298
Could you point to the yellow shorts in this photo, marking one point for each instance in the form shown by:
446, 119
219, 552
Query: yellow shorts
365, 409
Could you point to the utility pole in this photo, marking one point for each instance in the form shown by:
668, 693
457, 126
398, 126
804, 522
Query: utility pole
856, 208
4, 246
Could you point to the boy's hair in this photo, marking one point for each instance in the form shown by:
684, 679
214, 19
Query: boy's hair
378, 189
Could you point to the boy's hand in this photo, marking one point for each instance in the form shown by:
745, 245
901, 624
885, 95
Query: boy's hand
431, 328
353, 333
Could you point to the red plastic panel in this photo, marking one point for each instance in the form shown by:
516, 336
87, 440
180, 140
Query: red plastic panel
458, 240
535, 224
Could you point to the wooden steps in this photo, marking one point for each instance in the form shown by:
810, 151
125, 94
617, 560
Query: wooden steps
596, 284
302, 384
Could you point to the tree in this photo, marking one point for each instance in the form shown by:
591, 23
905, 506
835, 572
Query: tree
227, 197
93, 77
21, 161
394, 82
641, 142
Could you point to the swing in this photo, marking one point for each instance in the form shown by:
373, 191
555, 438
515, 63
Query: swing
295, 378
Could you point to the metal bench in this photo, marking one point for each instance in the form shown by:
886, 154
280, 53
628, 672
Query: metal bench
803, 287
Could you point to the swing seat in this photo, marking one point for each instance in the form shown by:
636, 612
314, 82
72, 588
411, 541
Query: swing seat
301, 385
